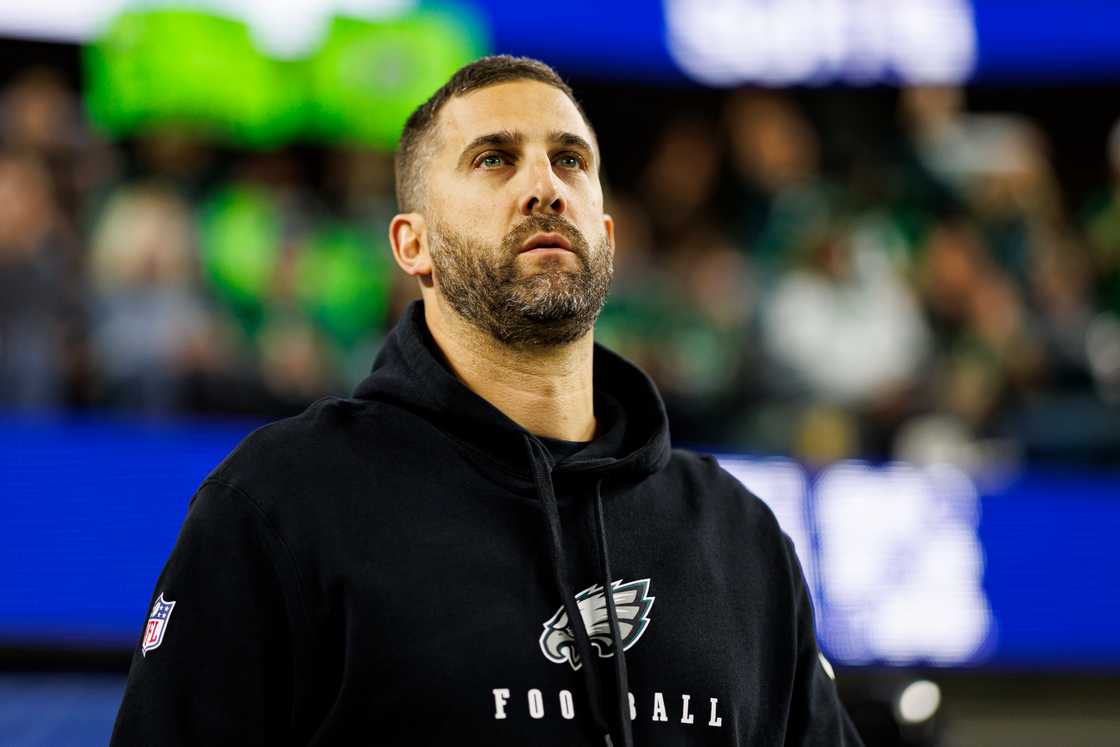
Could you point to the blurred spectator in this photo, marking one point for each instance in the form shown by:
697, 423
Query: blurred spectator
1102, 226
995, 164
295, 361
985, 350
38, 295
680, 179
1061, 277
242, 235
847, 339
773, 147
707, 340
360, 183
39, 114
843, 323
174, 157
775, 153
150, 324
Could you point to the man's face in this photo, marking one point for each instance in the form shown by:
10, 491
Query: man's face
519, 243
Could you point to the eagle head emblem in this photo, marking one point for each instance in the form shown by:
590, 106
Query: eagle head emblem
632, 604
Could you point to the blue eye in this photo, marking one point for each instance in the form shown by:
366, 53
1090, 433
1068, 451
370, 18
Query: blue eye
570, 161
491, 161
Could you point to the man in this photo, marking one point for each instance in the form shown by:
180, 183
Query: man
404, 567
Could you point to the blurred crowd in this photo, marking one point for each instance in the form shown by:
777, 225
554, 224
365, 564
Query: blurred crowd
934, 300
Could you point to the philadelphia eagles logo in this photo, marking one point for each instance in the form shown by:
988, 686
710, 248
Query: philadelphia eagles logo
631, 603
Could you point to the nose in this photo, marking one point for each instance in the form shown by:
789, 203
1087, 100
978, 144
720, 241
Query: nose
543, 194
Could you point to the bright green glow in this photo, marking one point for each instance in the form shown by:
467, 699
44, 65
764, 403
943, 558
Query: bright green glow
240, 240
191, 69
341, 276
187, 68
368, 77
342, 282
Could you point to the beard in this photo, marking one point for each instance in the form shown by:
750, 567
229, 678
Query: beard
551, 306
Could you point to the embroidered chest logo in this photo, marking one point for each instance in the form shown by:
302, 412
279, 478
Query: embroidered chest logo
157, 624
632, 604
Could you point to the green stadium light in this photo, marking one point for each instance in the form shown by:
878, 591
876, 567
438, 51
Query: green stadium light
368, 76
201, 71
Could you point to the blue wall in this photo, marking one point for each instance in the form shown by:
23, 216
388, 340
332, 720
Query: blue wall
91, 508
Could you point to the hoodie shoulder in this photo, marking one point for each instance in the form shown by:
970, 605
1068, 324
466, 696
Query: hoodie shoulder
712, 490
279, 459
703, 471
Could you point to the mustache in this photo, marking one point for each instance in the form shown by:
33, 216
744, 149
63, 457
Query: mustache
546, 224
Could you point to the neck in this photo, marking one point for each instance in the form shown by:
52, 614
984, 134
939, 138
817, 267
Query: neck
547, 391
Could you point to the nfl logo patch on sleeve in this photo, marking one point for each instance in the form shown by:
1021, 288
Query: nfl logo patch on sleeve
157, 625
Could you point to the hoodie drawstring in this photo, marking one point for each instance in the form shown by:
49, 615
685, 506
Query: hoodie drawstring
542, 477
622, 681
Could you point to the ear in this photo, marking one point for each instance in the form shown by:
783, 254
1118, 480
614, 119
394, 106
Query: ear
409, 238
608, 228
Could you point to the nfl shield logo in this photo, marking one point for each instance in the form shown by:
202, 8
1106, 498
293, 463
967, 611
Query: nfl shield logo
157, 625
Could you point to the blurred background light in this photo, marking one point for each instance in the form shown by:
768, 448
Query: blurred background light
349, 78
782, 42
919, 701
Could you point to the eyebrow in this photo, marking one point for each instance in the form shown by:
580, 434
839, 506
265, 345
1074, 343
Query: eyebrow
571, 140
507, 138
502, 139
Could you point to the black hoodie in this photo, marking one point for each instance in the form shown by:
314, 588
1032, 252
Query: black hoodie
400, 568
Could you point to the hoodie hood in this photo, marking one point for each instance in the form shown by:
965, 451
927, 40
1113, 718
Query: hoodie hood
631, 444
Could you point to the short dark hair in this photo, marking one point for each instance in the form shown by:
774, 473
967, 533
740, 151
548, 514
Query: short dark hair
413, 149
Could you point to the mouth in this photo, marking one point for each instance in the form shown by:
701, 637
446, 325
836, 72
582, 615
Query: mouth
541, 242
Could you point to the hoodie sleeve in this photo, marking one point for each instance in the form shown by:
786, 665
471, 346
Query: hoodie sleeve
214, 662
817, 717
